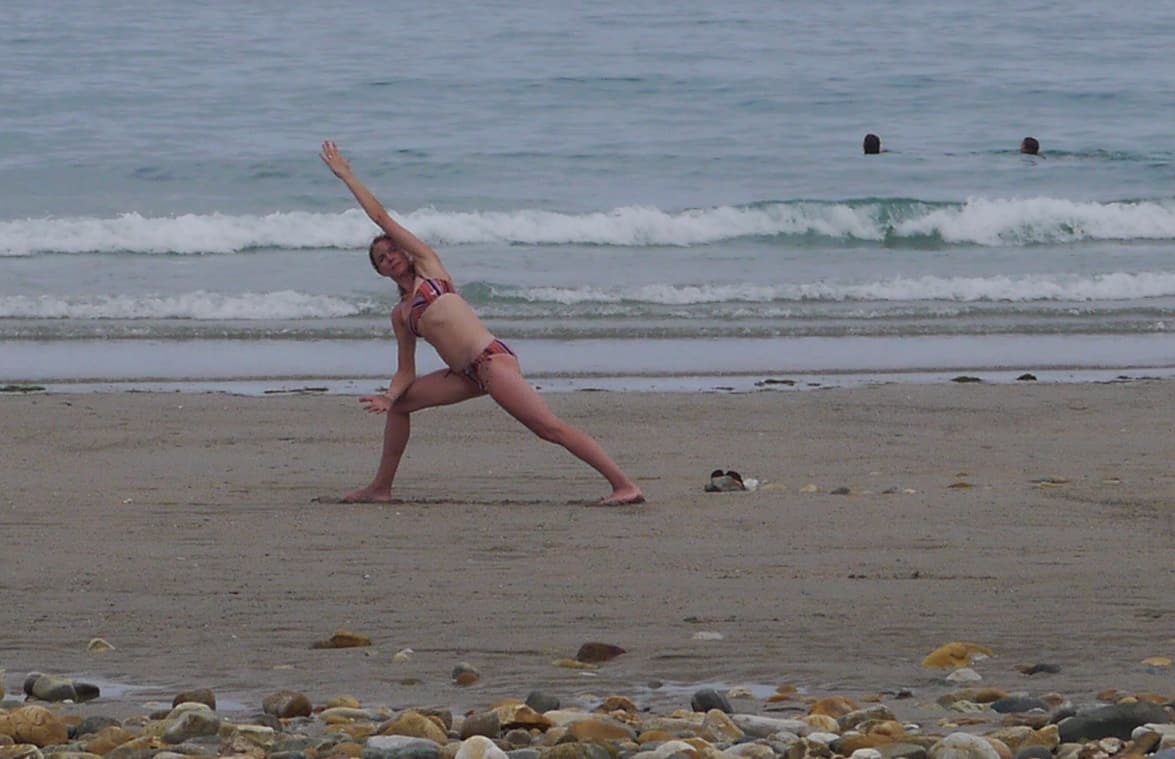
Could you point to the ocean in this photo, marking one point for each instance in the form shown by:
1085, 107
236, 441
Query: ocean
635, 195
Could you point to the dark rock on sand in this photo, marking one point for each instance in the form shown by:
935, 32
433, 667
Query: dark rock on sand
86, 691
486, 723
51, 688
594, 653
708, 698
1115, 721
541, 702
1015, 704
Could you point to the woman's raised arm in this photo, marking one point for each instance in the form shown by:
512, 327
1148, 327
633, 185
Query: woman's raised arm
422, 253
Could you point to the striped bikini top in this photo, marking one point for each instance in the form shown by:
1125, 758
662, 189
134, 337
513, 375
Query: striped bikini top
428, 291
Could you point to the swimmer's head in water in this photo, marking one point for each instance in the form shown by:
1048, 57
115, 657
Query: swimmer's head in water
1030, 146
872, 144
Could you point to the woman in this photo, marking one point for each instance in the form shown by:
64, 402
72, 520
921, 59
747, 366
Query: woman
478, 362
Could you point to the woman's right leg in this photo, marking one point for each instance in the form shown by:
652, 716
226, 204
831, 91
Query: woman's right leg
439, 388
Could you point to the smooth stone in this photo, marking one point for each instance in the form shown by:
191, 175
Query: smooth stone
514, 715
902, 751
764, 727
261, 736
618, 703
71, 755
184, 708
20, 751
53, 688
1110, 721
523, 753
139, 748
464, 673
479, 747
286, 703
707, 698
751, 751
108, 738
595, 653
963, 746
600, 729
578, 751
349, 712
415, 725
199, 696
400, 747
865, 753
541, 702
94, 724
191, 725
444, 716
343, 639
856, 717
1016, 704
34, 724
719, 725
485, 724
1167, 753
964, 675
518, 738
1034, 752
86, 691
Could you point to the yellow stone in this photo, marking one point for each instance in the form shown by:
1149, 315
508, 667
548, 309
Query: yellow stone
822, 723
655, 736
346, 748
359, 730
598, 730
834, 706
520, 715
107, 739
955, 654
850, 743
1157, 661
415, 725
1048, 736
343, 701
343, 639
34, 724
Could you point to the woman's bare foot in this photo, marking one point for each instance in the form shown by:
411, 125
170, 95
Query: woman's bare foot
368, 494
626, 496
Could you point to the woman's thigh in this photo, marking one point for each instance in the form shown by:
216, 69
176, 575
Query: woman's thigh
439, 388
511, 391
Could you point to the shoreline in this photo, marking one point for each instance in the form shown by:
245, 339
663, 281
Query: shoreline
633, 363
1030, 517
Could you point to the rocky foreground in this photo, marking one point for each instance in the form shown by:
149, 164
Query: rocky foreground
973, 723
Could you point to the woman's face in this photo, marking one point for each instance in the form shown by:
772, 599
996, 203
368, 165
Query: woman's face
390, 261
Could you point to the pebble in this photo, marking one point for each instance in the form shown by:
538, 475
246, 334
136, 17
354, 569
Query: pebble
594, 653
286, 704
707, 698
541, 702
197, 696
1116, 721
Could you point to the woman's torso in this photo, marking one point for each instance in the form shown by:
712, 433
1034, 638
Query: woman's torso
446, 321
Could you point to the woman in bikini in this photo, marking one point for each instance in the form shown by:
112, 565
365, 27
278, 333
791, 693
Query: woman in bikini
479, 363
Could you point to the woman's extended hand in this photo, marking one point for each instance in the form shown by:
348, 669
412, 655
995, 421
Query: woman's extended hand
334, 160
376, 404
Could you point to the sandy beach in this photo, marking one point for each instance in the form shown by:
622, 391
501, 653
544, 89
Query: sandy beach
1035, 519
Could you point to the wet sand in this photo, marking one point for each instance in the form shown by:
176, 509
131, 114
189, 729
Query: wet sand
181, 529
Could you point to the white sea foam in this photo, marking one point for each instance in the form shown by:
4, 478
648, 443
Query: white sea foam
1101, 287
988, 222
198, 305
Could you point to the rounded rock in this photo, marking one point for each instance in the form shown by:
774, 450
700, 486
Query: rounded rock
707, 698
286, 704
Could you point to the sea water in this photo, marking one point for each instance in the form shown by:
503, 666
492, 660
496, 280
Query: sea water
637, 189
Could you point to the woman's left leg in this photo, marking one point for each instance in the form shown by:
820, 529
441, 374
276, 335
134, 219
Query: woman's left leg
504, 382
